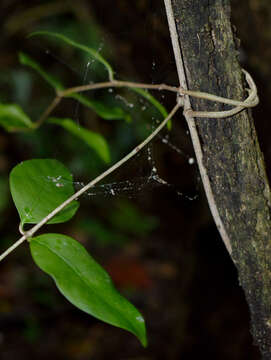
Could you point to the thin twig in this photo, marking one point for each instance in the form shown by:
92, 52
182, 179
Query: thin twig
13, 247
75, 196
48, 111
118, 83
250, 101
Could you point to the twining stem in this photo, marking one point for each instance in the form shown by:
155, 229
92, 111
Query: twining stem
75, 196
252, 99
48, 111
181, 91
118, 83
102, 85
192, 127
182, 100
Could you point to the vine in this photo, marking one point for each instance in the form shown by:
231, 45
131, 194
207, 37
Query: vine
54, 246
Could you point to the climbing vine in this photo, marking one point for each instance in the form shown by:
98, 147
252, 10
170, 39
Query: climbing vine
41, 195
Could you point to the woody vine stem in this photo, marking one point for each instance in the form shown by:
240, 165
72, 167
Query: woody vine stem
182, 101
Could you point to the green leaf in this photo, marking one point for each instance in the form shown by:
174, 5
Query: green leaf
105, 111
13, 118
38, 186
85, 283
154, 102
94, 140
50, 79
93, 53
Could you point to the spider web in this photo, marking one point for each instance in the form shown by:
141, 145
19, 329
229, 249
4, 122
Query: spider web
151, 177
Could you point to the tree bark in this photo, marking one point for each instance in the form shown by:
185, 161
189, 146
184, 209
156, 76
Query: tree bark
230, 152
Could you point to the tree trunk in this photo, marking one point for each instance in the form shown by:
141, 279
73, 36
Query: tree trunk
230, 151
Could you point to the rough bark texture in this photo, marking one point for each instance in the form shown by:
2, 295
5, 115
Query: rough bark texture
231, 152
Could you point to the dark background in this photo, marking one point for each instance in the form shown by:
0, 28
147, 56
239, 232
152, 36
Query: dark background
160, 247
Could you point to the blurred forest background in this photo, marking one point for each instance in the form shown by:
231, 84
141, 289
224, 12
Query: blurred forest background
157, 241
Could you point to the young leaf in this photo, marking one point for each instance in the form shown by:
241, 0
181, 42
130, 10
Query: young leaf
94, 140
93, 53
85, 283
38, 186
101, 108
50, 79
105, 111
154, 102
13, 118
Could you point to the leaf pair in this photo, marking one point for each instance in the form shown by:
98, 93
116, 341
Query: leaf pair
38, 186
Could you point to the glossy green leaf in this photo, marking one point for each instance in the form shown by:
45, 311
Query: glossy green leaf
93, 53
85, 283
94, 140
38, 186
50, 79
13, 118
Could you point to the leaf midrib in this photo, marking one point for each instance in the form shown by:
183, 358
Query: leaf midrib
83, 280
